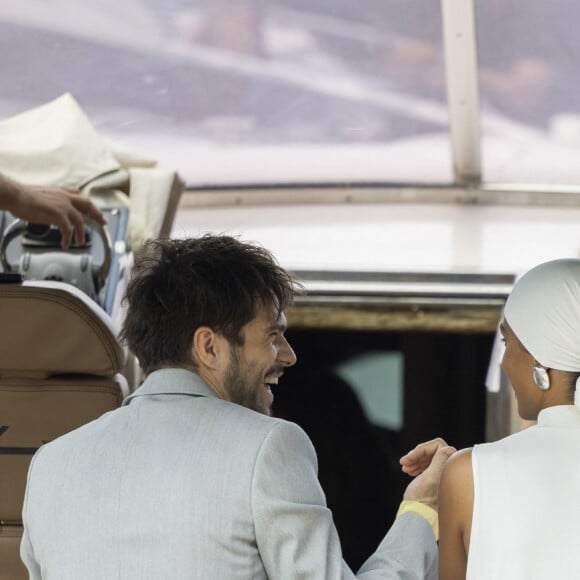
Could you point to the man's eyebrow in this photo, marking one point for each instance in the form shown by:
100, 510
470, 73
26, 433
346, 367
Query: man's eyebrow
279, 326
502, 327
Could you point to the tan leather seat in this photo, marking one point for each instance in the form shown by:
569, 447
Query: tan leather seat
59, 365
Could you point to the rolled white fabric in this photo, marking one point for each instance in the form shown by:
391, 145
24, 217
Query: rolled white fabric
543, 310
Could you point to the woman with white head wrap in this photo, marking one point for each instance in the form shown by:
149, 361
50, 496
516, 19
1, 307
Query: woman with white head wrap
543, 311
510, 509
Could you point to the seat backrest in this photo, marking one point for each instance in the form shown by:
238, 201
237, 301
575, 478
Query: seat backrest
59, 369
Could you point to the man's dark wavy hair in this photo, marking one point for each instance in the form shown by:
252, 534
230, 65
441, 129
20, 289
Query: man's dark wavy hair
179, 285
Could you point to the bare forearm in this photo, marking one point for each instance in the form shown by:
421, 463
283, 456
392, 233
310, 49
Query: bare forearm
60, 206
10, 192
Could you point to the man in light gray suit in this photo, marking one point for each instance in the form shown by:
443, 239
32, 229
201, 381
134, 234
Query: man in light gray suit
192, 478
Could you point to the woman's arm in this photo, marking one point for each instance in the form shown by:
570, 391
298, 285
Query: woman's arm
455, 514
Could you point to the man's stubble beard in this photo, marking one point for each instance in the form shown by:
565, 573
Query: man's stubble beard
239, 389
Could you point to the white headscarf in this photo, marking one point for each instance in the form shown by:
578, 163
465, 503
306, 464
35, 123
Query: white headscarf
543, 310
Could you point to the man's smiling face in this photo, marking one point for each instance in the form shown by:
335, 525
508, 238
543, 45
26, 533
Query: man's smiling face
259, 361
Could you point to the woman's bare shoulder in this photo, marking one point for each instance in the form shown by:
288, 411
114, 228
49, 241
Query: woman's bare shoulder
458, 470
461, 459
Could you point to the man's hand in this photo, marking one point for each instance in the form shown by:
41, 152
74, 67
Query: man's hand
417, 460
428, 460
60, 206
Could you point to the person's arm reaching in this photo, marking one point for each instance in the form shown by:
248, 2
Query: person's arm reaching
421, 495
295, 533
60, 206
409, 550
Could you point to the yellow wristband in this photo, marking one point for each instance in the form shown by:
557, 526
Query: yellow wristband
416, 507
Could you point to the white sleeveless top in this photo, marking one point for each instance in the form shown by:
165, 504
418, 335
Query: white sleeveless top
526, 513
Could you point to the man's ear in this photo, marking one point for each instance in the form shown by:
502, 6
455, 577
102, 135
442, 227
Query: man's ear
207, 348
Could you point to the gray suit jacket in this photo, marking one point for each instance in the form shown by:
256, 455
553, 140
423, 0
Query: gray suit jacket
178, 484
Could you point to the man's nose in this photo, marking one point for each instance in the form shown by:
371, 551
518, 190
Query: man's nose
286, 354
